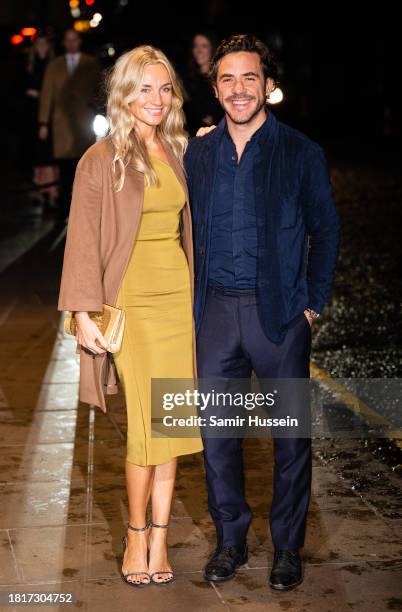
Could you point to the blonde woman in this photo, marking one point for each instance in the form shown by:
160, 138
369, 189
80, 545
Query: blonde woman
129, 244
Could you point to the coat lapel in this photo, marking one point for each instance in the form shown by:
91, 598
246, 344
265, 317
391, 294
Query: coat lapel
129, 202
64, 68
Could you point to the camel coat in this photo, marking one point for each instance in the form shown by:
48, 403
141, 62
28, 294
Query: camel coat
101, 234
68, 102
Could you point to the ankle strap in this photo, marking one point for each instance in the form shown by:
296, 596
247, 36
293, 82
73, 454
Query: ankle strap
160, 526
139, 528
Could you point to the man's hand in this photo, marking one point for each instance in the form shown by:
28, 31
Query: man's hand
309, 318
204, 130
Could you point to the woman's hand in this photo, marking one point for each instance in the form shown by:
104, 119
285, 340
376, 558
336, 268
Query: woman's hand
43, 132
88, 334
32, 93
204, 130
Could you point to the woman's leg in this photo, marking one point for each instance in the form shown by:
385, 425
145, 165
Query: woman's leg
139, 483
161, 495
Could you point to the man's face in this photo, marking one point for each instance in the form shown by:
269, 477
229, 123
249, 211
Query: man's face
241, 86
71, 41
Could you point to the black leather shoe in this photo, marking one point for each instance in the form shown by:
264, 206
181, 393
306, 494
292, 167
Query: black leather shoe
286, 572
223, 563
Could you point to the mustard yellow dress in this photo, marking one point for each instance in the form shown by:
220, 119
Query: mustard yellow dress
156, 296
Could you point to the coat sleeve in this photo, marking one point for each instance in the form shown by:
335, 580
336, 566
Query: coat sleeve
323, 227
46, 95
81, 287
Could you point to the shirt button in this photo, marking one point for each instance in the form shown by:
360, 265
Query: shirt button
234, 157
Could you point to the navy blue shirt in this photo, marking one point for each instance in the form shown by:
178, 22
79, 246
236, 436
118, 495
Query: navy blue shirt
233, 254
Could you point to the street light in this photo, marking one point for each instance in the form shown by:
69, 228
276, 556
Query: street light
276, 96
16, 39
28, 32
100, 126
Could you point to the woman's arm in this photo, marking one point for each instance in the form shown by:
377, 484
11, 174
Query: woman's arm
81, 287
81, 280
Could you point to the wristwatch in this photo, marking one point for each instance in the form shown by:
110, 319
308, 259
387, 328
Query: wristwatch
312, 313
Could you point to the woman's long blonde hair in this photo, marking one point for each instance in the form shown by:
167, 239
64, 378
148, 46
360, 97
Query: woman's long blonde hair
123, 86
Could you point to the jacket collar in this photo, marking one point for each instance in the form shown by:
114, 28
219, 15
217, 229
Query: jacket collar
269, 131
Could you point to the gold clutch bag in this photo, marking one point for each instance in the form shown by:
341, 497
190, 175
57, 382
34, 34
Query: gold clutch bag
110, 322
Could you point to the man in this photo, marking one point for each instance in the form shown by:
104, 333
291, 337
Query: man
67, 103
260, 191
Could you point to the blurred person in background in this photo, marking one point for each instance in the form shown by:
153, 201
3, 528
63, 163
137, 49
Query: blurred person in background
67, 104
44, 168
201, 108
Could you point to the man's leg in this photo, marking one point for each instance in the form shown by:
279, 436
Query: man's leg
292, 472
219, 354
292, 455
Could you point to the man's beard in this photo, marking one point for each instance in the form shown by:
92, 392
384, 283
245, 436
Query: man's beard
246, 119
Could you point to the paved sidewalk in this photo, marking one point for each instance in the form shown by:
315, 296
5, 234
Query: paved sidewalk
63, 503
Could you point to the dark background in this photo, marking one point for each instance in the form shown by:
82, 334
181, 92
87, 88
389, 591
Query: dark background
340, 73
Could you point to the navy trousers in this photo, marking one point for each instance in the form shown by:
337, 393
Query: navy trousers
231, 343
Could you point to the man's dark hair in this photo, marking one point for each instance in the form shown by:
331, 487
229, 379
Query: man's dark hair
244, 42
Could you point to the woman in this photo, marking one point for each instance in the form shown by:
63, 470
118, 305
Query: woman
129, 216
44, 171
202, 108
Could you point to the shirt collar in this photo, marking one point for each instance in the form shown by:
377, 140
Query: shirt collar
259, 135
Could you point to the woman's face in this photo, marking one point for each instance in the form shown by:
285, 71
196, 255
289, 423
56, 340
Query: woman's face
202, 50
155, 99
41, 46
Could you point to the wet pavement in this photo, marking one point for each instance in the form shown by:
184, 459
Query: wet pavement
63, 502
360, 334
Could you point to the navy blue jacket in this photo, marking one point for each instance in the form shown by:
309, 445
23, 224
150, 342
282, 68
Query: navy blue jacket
298, 226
